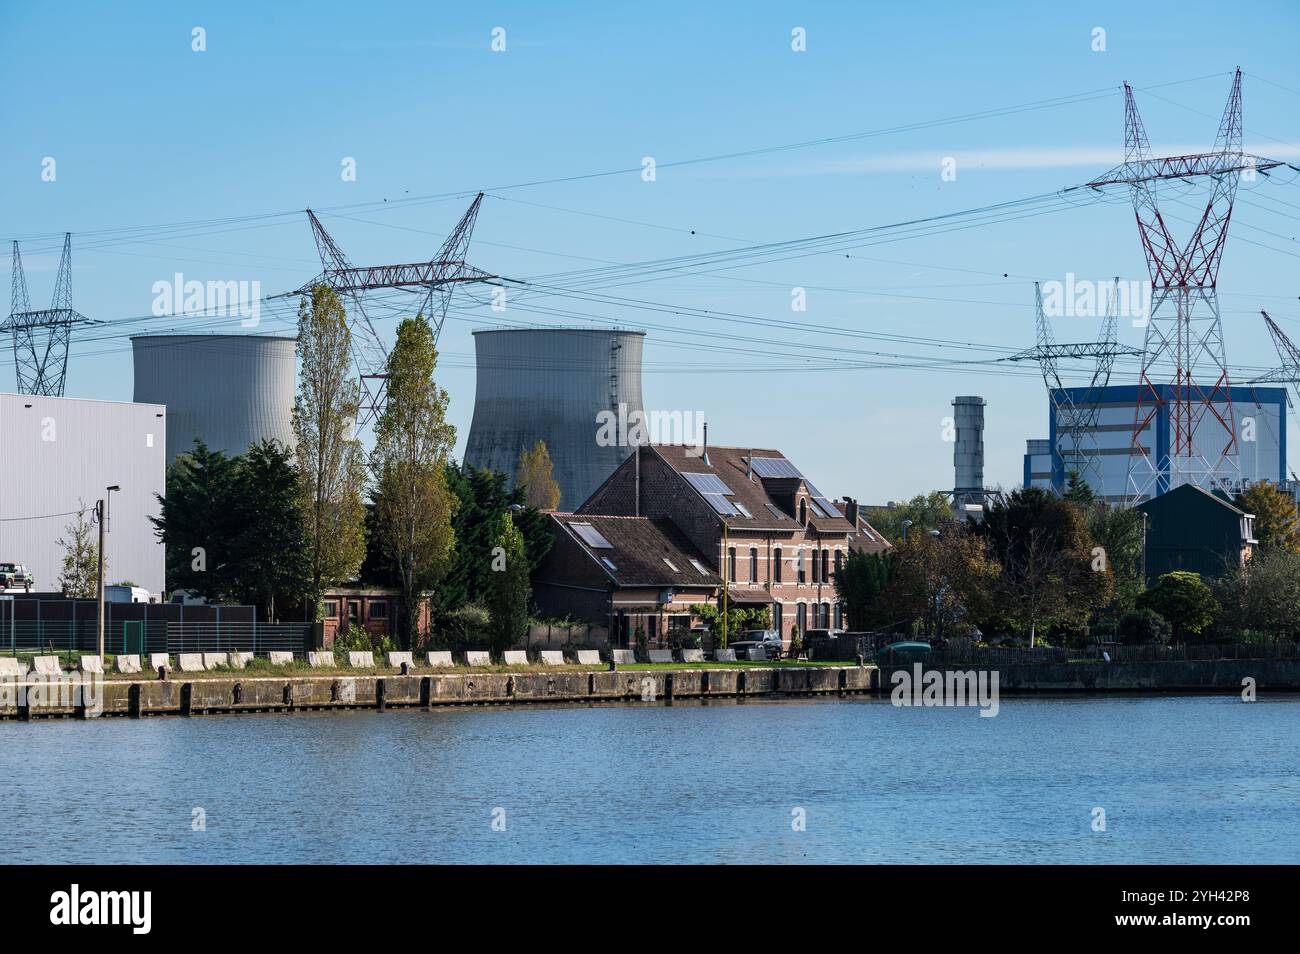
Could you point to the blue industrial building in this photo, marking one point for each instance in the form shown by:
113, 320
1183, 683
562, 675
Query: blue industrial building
1260, 418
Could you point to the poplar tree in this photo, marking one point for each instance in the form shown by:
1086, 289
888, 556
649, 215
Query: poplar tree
507, 587
413, 442
329, 458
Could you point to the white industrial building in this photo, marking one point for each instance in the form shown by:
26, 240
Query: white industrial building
60, 454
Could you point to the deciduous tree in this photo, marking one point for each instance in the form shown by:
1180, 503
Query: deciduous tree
329, 458
80, 543
413, 441
1277, 526
535, 476
1182, 598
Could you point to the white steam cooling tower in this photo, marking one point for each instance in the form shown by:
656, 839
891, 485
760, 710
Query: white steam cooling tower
229, 390
551, 384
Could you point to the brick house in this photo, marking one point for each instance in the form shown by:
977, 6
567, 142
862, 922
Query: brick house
635, 575
759, 523
376, 609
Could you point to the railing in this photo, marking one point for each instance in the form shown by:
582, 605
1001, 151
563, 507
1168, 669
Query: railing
142, 637
1010, 656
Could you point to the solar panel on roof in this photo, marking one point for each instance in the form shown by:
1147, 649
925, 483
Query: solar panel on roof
591, 536
722, 505
774, 467
707, 483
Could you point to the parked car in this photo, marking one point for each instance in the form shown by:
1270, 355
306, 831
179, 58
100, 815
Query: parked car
768, 639
15, 576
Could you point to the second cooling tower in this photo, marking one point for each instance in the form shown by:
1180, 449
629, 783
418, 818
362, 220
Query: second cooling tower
229, 391
551, 384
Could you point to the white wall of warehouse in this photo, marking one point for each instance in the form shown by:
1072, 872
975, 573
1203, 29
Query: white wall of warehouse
58, 454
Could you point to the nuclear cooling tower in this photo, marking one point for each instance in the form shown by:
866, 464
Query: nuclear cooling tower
228, 390
551, 384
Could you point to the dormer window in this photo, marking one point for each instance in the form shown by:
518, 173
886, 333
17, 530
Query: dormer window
803, 512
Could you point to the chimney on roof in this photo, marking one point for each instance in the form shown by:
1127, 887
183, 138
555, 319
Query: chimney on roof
706, 445
851, 511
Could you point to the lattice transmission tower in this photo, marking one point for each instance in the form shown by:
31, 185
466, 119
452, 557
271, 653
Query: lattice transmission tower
1077, 410
41, 336
435, 280
1184, 376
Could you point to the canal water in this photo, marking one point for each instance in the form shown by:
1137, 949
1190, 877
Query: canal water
1179, 779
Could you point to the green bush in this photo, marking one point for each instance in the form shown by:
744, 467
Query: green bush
1142, 626
358, 639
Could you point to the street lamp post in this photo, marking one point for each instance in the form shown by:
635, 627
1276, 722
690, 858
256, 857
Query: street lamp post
102, 509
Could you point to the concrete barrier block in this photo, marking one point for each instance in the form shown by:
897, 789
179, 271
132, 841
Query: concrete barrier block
190, 662
515, 657
213, 660
478, 657
661, 655
588, 657
46, 666
756, 652
623, 656
159, 661
11, 668
725, 655
692, 655
439, 658
238, 660
361, 660
325, 658
279, 657
551, 657
396, 659
91, 664
127, 664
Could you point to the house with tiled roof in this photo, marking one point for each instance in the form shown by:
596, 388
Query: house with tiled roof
759, 522
637, 575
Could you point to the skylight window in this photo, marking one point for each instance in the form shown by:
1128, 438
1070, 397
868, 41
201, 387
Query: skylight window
670, 565
591, 536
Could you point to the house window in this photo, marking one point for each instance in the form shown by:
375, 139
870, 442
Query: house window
826, 616
803, 512
354, 611
839, 616
801, 617
803, 569
670, 564
379, 609
731, 564
776, 565
776, 616
753, 564
331, 609
826, 566
815, 566
700, 567
839, 560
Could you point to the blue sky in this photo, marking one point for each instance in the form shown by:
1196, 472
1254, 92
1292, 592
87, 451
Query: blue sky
145, 131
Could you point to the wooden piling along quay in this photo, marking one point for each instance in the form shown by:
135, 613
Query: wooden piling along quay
138, 698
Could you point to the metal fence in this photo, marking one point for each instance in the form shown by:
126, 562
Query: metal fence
1011, 656
140, 637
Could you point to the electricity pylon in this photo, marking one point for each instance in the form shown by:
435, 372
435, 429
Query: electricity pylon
436, 279
1076, 410
1184, 329
41, 337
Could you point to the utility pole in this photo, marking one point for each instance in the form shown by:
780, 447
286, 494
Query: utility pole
101, 513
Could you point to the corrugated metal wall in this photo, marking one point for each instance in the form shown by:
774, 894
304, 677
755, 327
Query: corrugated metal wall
59, 453
551, 384
229, 390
